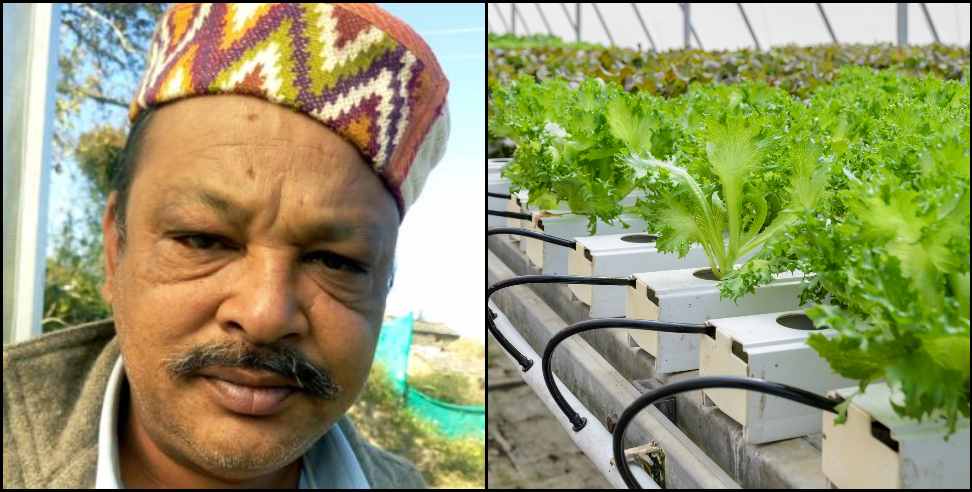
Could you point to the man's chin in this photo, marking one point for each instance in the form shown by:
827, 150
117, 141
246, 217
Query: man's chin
240, 456
230, 441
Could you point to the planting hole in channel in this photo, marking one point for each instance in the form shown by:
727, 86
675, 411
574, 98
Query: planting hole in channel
652, 297
639, 238
705, 274
798, 322
737, 350
882, 433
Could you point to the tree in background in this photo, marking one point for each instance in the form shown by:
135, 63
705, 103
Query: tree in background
102, 55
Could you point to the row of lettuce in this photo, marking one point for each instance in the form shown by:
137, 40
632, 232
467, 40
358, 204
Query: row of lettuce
863, 186
797, 70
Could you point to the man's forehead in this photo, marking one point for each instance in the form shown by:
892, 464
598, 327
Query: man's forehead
227, 121
237, 168
223, 152
253, 137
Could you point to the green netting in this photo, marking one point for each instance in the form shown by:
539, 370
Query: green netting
394, 346
452, 420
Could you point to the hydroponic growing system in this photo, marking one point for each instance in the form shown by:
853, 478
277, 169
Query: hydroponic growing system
737, 269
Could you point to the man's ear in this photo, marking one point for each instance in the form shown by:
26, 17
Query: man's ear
109, 230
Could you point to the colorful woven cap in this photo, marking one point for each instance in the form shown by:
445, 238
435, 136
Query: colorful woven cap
357, 69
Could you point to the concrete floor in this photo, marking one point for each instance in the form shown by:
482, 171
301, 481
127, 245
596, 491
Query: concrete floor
543, 456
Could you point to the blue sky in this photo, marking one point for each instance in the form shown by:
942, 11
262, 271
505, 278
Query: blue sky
441, 250
441, 246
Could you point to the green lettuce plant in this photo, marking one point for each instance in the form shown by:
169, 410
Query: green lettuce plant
742, 169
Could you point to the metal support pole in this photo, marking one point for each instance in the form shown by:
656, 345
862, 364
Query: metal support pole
513, 17
526, 30
830, 29
686, 26
902, 16
695, 34
749, 26
931, 25
543, 18
506, 26
603, 24
644, 27
574, 21
567, 14
570, 20
30, 72
577, 16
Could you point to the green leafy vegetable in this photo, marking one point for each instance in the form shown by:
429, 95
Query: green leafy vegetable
739, 172
797, 70
864, 187
900, 288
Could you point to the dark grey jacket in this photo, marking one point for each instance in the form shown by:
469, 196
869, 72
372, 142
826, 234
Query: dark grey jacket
53, 387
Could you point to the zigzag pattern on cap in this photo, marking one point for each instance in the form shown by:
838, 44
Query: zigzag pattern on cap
353, 67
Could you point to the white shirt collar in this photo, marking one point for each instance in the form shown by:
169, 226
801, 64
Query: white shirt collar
329, 464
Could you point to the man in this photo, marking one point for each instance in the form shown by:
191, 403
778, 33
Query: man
248, 253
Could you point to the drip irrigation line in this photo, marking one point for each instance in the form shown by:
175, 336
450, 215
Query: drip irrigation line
776, 389
499, 195
599, 324
512, 215
559, 279
516, 231
525, 363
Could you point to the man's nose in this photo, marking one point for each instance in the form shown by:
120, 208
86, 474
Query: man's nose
263, 301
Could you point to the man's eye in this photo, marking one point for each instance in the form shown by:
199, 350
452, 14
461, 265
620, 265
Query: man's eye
336, 262
201, 241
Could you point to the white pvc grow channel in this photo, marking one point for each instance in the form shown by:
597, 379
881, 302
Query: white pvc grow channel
876, 448
495, 183
496, 165
594, 440
760, 346
617, 255
552, 259
688, 296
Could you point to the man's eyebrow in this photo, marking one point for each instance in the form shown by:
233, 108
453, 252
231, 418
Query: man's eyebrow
326, 230
219, 203
336, 231
330, 231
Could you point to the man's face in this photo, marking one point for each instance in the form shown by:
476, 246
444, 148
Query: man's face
253, 227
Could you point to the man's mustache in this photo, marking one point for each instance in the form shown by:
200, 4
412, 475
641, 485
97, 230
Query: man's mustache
313, 380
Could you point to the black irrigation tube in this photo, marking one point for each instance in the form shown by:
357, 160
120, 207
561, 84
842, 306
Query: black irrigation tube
499, 195
599, 324
776, 389
512, 215
525, 363
516, 231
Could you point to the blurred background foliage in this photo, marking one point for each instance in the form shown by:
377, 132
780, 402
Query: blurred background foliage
797, 69
102, 56
381, 417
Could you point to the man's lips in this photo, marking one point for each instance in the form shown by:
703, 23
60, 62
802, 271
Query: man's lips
248, 392
244, 377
